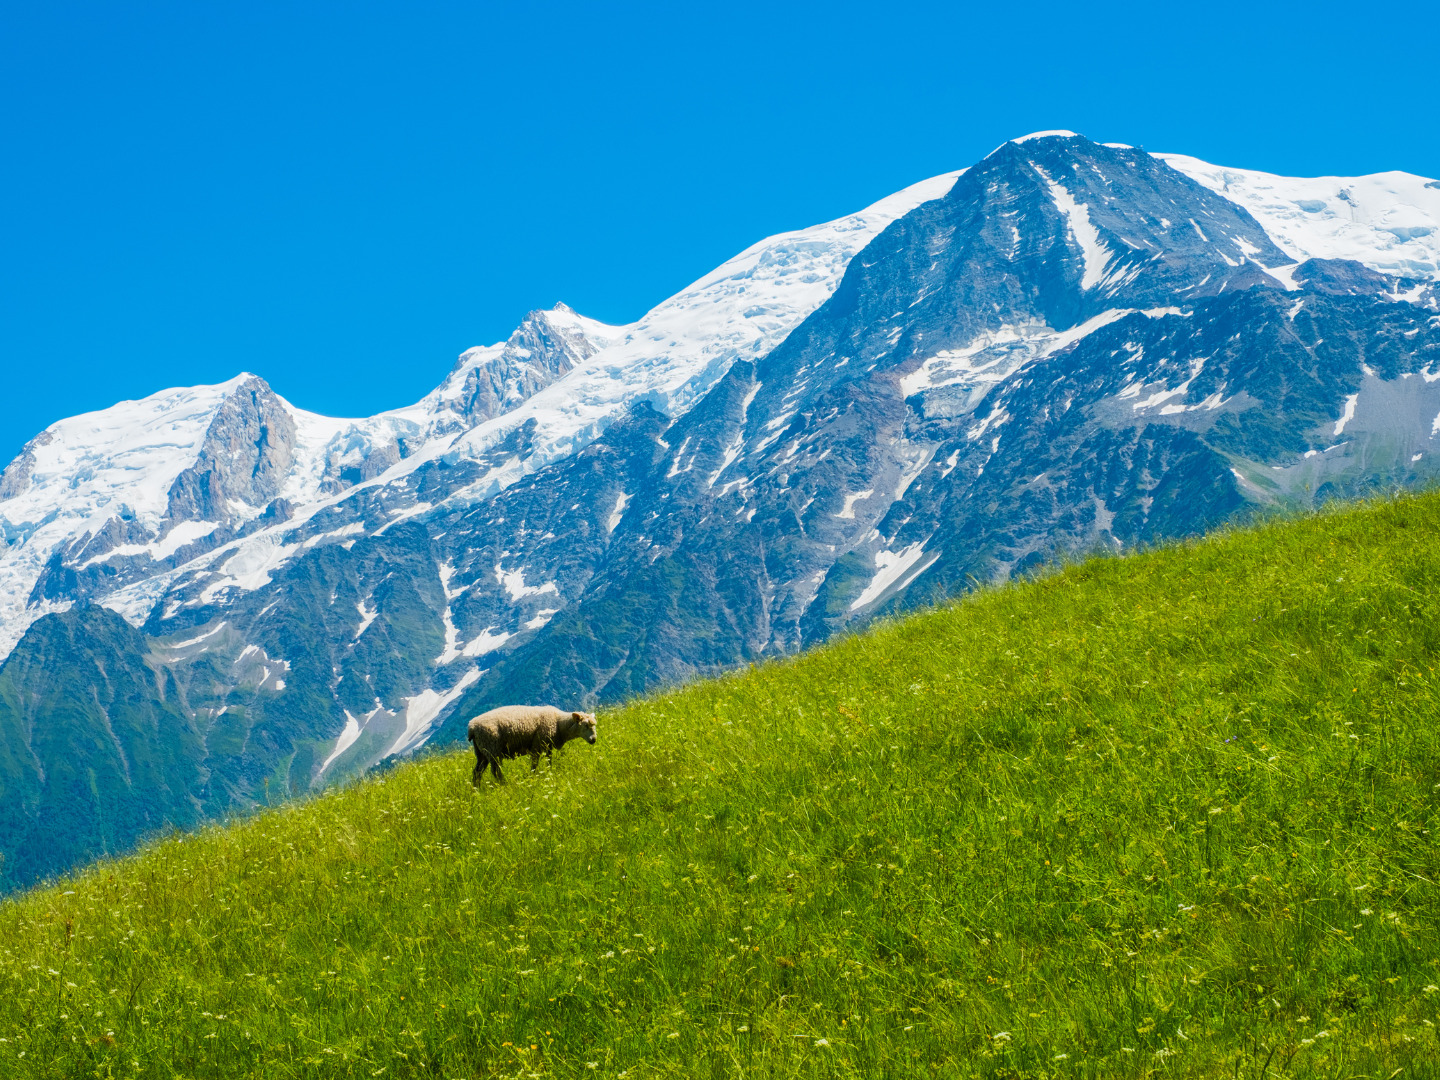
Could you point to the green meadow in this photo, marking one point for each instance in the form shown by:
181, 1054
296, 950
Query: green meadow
1172, 814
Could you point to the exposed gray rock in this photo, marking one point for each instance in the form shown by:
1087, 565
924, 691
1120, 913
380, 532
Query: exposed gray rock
244, 461
16, 477
536, 354
357, 456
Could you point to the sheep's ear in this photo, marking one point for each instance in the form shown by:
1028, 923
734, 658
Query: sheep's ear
577, 716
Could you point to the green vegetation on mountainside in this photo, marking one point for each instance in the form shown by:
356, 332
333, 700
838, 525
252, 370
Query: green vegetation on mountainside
108, 734
1164, 815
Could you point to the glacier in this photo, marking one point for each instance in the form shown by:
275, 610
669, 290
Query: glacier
1387, 221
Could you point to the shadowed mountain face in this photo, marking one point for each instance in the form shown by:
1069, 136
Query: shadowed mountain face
96, 757
1072, 348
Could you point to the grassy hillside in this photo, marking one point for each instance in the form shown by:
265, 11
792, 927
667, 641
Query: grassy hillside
1163, 815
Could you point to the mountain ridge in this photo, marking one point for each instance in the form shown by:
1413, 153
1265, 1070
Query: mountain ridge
1067, 346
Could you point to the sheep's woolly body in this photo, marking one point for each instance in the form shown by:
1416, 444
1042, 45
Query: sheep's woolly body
515, 730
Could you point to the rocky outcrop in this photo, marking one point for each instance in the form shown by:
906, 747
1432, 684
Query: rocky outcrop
540, 351
358, 455
16, 477
244, 462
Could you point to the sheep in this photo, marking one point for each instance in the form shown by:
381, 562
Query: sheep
513, 730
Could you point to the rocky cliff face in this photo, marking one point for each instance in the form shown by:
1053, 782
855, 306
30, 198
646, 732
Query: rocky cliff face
1067, 348
16, 476
244, 461
541, 350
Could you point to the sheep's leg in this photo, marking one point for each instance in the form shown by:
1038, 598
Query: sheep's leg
479, 770
487, 762
534, 761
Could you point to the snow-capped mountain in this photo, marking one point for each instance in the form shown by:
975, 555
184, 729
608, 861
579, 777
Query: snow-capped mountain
159, 480
1389, 222
1067, 346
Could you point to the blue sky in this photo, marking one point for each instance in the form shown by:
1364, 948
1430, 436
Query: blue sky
342, 197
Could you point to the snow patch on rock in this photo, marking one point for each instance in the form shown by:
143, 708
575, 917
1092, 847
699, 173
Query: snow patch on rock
892, 567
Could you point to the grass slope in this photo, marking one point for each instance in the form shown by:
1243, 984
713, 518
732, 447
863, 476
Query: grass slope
1163, 815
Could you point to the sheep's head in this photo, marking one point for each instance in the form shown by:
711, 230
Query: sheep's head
586, 723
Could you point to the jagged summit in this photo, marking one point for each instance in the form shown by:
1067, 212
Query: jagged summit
1387, 221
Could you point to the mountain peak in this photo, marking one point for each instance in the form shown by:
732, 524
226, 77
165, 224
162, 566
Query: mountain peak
1035, 136
1058, 133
